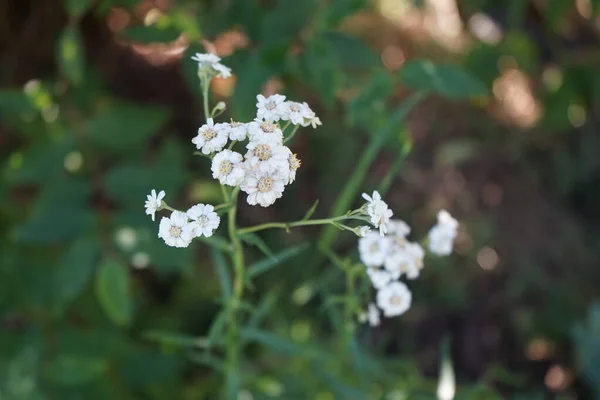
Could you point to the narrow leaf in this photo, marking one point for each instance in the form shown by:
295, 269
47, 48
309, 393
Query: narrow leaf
175, 339
113, 293
255, 240
70, 53
223, 274
311, 211
265, 265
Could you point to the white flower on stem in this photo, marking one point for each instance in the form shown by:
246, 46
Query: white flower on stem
228, 167
404, 258
378, 210
374, 317
204, 220
237, 130
211, 137
175, 230
373, 249
394, 299
208, 62
265, 130
297, 113
263, 187
154, 202
293, 165
272, 108
379, 277
362, 231
442, 235
267, 156
313, 122
398, 227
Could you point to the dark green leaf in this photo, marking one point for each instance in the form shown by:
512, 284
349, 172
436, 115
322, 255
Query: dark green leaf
277, 259
71, 57
113, 292
255, 240
311, 211
223, 273
72, 370
75, 269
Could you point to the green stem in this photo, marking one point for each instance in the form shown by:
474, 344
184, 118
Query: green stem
233, 341
291, 134
287, 225
205, 83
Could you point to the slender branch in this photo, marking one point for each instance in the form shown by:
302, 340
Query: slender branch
205, 83
291, 134
288, 225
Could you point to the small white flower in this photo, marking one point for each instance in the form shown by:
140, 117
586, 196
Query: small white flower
237, 130
378, 211
405, 258
373, 249
374, 318
379, 277
394, 299
313, 122
443, 234
210, 63
204, 220
362, 231
154, 202
228, 168
398, 227
263, 187
265, 130
211, 137
272, 108
293, 165
266, 156
297, 113
175, 230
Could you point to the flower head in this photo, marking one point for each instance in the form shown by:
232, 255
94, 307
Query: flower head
362, 231
175, 230
154, 202
394, 299
211, 137
204, 220
259, 130
293, 165
267, 156
263, 187
374, 318
228, 167
237, 130
297, 113
272, 108
373, 249
209, 63
442, 235
379, 277
378, 210
398, 227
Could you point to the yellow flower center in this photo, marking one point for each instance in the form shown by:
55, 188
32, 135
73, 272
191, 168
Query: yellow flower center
175, 231
263, 152
265, 184
203, 220
209, 134
268, 127
225, 167
294, 162
270, 106
395, 300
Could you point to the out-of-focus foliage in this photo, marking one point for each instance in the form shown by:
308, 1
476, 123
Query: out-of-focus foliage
93, 305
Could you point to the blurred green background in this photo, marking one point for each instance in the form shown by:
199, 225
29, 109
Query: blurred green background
98, 105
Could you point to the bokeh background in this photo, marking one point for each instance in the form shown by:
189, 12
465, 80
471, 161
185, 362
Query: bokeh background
98, 105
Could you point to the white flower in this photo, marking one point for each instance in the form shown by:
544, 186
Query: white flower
442, 235
373, 249
237, 130
266, 156
210, 63
362, 231
297, 113
175, 230
263, 187
378, 211
314, 122
272, 108
228, 168
379, 277
398, 227
293, 165
154, 202
394, 299
211, 137
204, 220
265, 130
404, 258
374, 318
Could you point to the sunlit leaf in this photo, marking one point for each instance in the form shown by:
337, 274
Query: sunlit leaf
113, 292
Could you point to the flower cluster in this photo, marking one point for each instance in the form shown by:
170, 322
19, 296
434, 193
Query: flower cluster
181, 228
208, 64
391, 255
267, 165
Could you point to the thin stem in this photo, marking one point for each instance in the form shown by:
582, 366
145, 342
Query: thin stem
233, 343
205, 83
288, 225
291, 134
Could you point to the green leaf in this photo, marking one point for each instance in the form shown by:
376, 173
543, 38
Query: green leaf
175, 339
113, 293
223, 273
122, 127
311, 211
151, 34
255, 240
75, 269
269, 263
70, 53
76, 8
59, 225
14, 101
216, 328
73, 370
446, 80
351, 52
